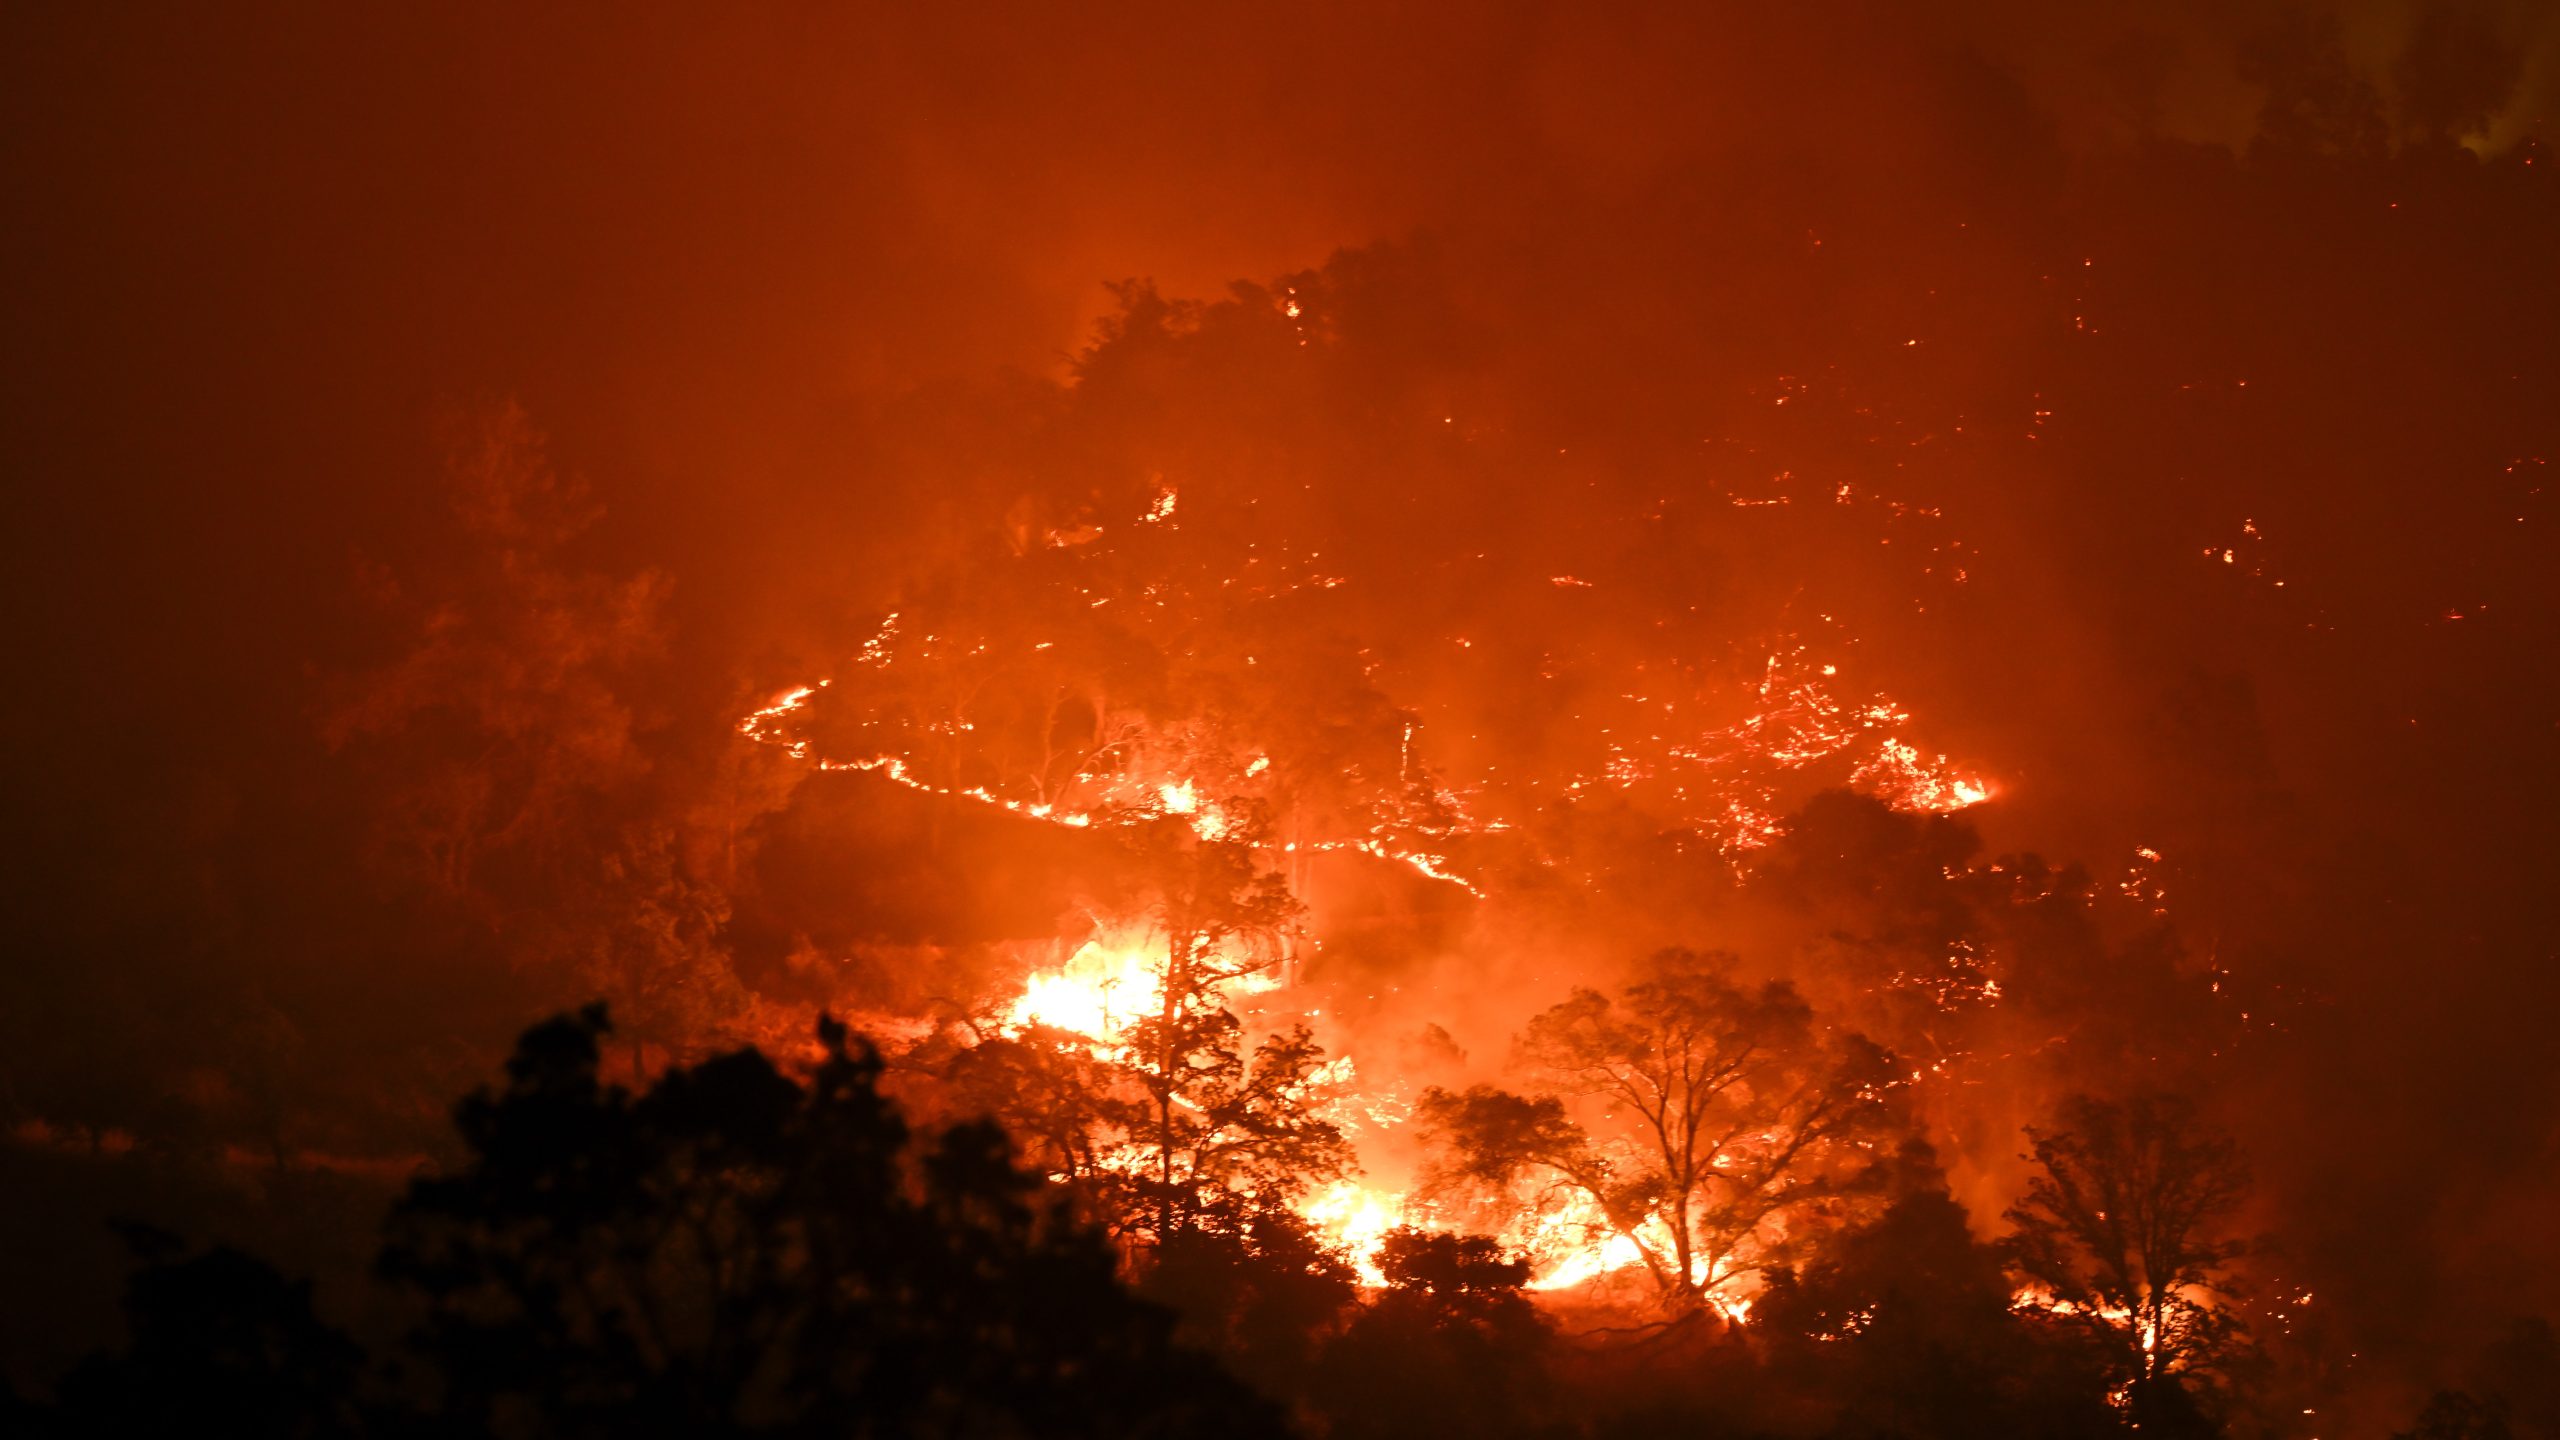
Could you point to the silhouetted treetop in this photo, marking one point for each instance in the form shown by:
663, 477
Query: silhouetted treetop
219, 1343
737, 1250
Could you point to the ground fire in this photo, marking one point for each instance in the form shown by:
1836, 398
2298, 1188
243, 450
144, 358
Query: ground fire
1561, 722
1040, 710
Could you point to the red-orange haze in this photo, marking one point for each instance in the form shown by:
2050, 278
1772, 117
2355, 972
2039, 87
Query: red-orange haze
2015, 548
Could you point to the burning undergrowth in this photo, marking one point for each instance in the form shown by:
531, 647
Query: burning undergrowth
1638, 744
1351, 836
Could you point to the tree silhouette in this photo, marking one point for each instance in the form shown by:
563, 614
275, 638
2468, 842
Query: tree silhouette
1905, 1323
1450, 1346
2456, 1415
1179, 1118
738, 1251
1716, 1110
2124, 1230
1262, 1294
1060, 1100
1219, 1129
219, 1344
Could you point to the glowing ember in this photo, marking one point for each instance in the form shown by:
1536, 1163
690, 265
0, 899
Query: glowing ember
1903, 777
1674, 736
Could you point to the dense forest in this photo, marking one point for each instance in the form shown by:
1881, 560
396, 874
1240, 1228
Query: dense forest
1683, 723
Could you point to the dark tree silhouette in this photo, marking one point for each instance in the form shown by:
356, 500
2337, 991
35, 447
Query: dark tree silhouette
2456, 1415
1221, 1130
1721, 1110
1451, 1346
2124, 1229
1904, 1323
1060, 1100
1263, 1294
738, 1251
219, 1344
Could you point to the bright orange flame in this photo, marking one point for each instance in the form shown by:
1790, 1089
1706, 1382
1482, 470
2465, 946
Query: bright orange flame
1800, 719
1908, 781
1098, 991
1355, 1219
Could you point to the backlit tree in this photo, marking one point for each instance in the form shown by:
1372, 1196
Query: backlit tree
1219, 1124
1694, 1111
2125, 1230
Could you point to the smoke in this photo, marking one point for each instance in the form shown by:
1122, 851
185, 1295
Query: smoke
2147, 403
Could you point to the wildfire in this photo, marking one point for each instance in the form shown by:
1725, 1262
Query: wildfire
1355, 1219
1105, 985
1899, 773
1098, 990
1112, 981
1673, 733
1567, 1247
1589, 1261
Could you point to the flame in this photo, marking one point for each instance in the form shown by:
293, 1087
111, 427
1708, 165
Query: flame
2146, 1329
1355, 1219
1909, 782
1725, 756
1567, 1245
1582, 1265
1107, 983
1099, 989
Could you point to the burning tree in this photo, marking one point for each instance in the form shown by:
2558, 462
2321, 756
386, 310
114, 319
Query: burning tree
2124, 1233
1131, 1075
1691, 1112
1217, 1128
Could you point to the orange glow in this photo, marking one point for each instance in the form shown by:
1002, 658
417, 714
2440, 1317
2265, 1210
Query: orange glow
1094, 994
1730, 777
1355, 1219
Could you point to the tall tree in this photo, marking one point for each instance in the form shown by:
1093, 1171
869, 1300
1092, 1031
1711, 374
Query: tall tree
1693, 1110
1219, 1128
2125, 1230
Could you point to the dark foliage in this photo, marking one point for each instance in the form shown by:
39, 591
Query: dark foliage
1452, 1346
2126, 1229
220, 1344
2458, 1415
733, 1252
1724, 1112
1262, 1294
1905, 1323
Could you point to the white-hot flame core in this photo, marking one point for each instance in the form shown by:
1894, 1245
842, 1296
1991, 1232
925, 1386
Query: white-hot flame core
1095, 994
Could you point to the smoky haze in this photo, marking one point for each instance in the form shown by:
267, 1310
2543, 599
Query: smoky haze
430, 434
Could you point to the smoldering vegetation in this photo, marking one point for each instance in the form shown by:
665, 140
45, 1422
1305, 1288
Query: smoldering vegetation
437, 440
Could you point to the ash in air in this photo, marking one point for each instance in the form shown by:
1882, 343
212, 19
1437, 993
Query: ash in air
1692, 722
